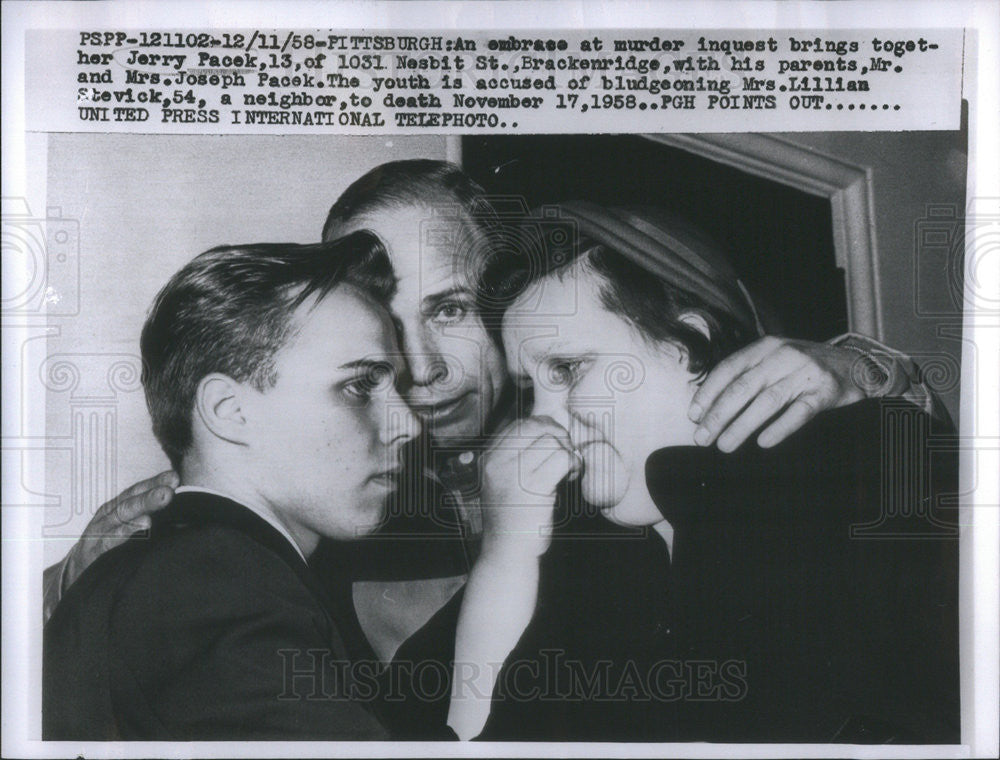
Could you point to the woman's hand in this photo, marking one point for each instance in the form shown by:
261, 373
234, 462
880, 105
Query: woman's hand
117, 520
788, 380
521, 471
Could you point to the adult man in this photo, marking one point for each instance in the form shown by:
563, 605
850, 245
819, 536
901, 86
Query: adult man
750, 606
437, 226
269, 373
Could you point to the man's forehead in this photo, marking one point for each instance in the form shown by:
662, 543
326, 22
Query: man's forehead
419, 235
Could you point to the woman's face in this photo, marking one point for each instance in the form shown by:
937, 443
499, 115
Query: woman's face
457, 370
619, 396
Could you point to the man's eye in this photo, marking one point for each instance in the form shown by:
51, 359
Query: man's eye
448, 312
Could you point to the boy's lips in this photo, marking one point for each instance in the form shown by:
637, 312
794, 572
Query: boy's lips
388, 478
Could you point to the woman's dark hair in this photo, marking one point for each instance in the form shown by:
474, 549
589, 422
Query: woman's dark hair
230, 310
652, 304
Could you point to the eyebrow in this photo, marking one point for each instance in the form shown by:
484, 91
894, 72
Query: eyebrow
557, 348
366, 364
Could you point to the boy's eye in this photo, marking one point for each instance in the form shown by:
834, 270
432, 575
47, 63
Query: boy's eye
449, 311
357, 390
375, 378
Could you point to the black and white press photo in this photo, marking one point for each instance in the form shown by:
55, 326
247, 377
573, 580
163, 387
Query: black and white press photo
636, 413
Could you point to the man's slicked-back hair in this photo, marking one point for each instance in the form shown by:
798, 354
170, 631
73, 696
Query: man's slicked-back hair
412, 182
230, 310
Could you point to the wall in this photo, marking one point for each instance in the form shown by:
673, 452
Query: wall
145, 205
918, 178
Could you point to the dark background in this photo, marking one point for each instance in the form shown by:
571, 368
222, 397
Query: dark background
780, 239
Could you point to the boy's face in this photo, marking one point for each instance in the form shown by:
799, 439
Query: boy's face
457, 370
327, 436
619, 397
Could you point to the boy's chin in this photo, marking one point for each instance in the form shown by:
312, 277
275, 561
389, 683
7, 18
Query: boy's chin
367, 520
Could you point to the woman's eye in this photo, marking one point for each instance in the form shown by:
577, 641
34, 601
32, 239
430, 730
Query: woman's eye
564, 372
450, 311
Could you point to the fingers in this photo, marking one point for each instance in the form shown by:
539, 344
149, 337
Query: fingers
531, 515
798, 413
539, 467
557, 431
128, 512
527, 464
541, 426
554, 465
789, 370
120, 517
725, 372
525, 434
764, 406
167, 478
729, 403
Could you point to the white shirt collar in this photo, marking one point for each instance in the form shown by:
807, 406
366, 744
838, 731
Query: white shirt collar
262, 514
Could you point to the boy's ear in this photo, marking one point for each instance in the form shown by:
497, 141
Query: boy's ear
691, 319
219, 405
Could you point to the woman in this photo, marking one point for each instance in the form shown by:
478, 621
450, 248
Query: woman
682, 593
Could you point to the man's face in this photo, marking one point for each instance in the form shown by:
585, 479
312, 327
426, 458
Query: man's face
457, 370
619, 396
327, 436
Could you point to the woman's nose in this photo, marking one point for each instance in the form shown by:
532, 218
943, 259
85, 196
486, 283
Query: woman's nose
550, 404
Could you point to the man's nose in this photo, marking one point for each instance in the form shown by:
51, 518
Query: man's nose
424, 360
400, 424
428, 368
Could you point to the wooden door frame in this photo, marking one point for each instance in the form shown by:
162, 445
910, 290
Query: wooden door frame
847, 186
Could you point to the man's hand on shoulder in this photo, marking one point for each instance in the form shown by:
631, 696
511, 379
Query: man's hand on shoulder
114, 523
779, 381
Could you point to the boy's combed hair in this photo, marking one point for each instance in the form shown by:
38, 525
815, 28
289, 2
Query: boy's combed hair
652, 304
231, 309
